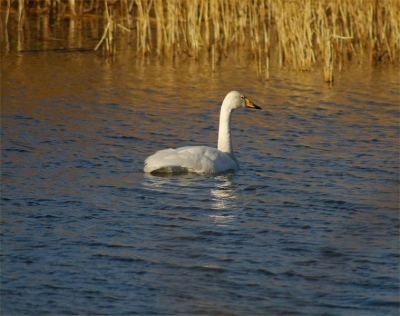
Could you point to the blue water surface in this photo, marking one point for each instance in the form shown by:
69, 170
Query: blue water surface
309, 225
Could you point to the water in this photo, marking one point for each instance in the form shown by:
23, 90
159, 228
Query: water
309, 225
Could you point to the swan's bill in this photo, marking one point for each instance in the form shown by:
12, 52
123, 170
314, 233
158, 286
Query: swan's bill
251, 105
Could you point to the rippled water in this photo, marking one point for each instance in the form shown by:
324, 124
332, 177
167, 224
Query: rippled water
309, 225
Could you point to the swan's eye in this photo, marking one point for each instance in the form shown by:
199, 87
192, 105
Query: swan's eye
242, 97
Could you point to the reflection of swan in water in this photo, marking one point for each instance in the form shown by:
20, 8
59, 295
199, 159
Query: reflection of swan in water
202, 159
224, 199
219, 202
223, 220
224, 196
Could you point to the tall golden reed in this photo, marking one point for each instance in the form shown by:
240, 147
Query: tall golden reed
294, 34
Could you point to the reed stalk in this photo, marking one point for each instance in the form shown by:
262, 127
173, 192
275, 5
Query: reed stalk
304, 34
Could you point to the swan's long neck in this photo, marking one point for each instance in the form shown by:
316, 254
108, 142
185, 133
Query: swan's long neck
224, 134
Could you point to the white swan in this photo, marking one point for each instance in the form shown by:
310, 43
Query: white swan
202, 159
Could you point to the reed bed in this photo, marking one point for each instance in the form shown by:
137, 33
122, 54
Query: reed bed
294, 34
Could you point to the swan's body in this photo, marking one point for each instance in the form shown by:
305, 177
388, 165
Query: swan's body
202, 159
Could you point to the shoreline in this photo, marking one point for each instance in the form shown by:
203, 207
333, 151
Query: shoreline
296, 35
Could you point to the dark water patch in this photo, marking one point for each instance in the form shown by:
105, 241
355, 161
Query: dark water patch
125, 137
265, 272
57, 50
331, 253
186, 219
18, 150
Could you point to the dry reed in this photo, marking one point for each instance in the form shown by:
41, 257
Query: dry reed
302, 34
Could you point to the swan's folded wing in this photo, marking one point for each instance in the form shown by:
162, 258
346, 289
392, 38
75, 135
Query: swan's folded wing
199, 159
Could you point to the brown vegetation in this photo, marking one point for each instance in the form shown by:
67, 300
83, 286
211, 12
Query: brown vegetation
303, 34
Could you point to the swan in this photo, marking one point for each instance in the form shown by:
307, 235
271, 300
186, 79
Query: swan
202, 159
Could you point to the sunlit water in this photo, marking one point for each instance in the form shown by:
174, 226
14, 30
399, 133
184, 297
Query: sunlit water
309, 225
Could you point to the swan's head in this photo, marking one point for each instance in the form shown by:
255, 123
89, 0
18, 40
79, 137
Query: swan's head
235, 100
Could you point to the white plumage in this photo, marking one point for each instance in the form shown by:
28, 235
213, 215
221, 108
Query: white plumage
199, 159
202, 159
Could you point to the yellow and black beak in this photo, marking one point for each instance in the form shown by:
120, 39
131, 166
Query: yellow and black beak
251, 105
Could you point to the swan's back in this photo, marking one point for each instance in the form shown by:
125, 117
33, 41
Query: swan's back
198, 159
